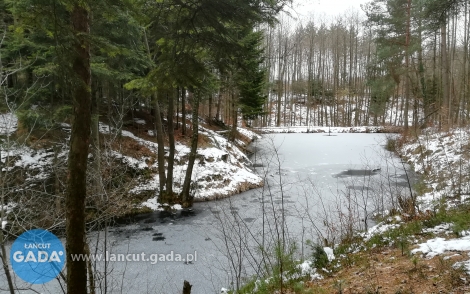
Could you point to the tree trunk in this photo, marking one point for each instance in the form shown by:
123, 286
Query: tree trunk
95, 135
78, 154
187, 287
183, 111
4, 255
210, 109
187, 199
407, 64
233, 133
171, 141
445, 107
219, 102
160, 151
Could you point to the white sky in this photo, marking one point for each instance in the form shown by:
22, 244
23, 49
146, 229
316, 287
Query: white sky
328, 8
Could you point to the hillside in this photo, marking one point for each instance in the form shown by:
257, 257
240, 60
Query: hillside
34, 170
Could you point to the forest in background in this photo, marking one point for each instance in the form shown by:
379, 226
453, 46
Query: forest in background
404, 63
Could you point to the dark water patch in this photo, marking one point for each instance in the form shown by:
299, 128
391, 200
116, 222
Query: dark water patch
158, 238
147, 229
357, 173
187, 212
166, 214
132, 219
157, 234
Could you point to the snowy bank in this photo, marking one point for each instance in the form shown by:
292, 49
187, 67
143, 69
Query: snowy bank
220, 170
442, 158
317, 129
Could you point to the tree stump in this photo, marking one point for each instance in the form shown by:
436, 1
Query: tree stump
186, 287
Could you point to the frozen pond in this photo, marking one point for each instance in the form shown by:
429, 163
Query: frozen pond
330, 185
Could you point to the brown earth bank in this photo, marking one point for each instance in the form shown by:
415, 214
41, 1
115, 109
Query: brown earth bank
387, 270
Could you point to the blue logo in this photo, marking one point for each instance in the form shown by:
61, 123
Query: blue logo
37, 256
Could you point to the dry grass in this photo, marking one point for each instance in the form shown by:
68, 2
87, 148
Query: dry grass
388, 271
130, 147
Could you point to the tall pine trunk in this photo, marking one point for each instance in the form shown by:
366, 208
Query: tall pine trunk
78, 154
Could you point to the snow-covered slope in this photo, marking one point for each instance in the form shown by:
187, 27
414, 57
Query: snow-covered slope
221, 168
443, 157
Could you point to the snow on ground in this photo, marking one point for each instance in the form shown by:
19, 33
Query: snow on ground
139, 121
464, 264
444, 159
379, 228
445, 228
8, 123
439, 245
37, 163
153, 204
247, 133
307, 269
329, 253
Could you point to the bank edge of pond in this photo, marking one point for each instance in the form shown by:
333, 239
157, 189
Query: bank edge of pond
314, 130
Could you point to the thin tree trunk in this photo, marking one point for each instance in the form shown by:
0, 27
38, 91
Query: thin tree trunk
160, 151
171, 140
233, 134
407, 62
219, 103
4, 255
210, 109
187, 199
445, 78
96, 152
183, 111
